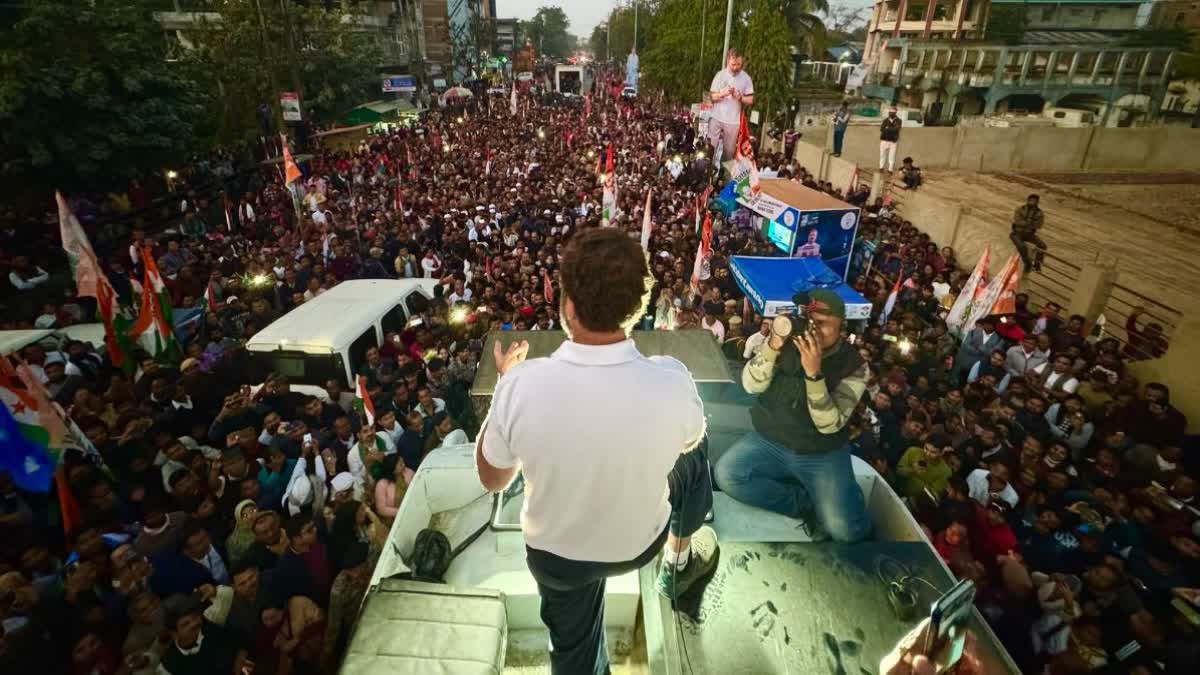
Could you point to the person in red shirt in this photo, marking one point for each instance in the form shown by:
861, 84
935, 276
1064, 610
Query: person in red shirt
992, 537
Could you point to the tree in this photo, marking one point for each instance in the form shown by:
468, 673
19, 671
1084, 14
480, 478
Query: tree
245, 59
87, 97
768, 54
685, 49
548, 31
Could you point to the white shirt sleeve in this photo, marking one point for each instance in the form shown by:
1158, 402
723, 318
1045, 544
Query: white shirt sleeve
355, 463
977, 486
496, 437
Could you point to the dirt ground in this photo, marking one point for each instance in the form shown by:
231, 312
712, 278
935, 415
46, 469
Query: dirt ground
1148, 222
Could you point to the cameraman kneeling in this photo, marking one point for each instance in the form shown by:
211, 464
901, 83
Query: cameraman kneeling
797, 459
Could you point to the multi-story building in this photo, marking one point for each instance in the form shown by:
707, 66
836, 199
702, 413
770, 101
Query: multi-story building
506, 37
1001, 56
1175, 14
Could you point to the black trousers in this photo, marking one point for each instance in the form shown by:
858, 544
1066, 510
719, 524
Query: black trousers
572, 591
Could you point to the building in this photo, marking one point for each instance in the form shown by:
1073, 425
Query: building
1175, 14
507, 31
975, 57
393, 20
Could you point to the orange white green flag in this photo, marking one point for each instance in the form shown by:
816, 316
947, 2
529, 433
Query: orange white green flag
153, 329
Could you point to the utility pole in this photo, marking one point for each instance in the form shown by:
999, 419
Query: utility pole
291, 37
728, 25
635, 18
700, 61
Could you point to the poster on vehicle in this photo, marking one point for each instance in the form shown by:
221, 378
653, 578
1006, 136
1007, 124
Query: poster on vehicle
289, 104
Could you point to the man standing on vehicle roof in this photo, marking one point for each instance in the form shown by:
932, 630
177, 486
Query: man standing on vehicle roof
611, 447
797, 460
731, 89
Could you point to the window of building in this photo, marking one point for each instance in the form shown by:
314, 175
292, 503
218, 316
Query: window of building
915, 12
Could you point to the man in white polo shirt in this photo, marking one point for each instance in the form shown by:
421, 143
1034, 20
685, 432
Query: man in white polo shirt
730, 90
610, 446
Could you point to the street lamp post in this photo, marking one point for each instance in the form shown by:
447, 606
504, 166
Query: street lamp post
728, 25
635, 21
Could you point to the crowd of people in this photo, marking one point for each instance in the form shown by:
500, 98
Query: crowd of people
228, 529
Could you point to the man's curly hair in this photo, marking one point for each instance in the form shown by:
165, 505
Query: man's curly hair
606, 275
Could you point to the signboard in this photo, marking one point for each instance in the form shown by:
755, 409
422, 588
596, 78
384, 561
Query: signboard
289, 104
400, 83
525, 76
439, 83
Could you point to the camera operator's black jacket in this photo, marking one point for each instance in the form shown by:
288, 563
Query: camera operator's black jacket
808, 417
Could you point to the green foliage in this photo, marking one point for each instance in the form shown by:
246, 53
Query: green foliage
548, 31
1006, 23
684, 52
673, 60
87, 97
768, 54
245, 60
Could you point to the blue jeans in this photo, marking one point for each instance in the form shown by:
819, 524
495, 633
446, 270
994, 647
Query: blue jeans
761, 473
839, 135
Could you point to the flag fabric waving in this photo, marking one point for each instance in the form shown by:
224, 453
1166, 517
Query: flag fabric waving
646, 225
91, 282
976, 284
22, 452
547, 286
153, 328
700, 268
512, 106
210, 299
608, 206
891, 301
291, 172
989, 301
1006, 302
364, 400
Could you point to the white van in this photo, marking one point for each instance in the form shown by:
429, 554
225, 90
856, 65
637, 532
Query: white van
52, 339
328, 336
1070, 118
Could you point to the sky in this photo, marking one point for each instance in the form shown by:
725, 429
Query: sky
586, 14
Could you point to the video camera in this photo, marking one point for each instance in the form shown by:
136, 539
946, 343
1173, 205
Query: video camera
796, 323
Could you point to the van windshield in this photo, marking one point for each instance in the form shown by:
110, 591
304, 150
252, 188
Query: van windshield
299, 367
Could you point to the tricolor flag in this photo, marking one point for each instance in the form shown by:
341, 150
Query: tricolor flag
364, 400
646, 222
891, 300
210, 298
743, 157
1003, 288
291, 172
91, 282
976, 285
1006, 303
608, 206
700, 268
547, 286
153, 328
33, 433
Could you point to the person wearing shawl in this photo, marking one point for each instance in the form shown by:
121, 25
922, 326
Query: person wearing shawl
242, 537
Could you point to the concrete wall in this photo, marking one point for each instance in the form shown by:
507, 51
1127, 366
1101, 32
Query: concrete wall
1030, 148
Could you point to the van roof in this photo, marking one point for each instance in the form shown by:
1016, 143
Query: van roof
15, 340
333, 319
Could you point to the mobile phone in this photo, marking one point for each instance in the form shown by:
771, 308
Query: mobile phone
308, 438
946, 635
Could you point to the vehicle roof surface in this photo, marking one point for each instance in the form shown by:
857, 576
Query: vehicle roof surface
337, 316
697, 349
14, 340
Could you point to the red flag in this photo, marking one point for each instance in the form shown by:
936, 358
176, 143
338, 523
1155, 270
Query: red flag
487, 267
210, 298
547, 286
609, 166
570, 137
68, 506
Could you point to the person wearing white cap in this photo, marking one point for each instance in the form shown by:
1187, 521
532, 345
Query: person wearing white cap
889, 138
345, 488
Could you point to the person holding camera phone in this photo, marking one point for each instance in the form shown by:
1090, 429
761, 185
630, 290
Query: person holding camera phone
797, 460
